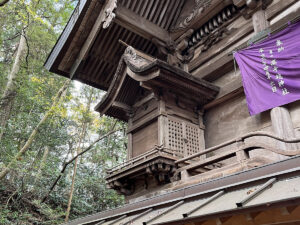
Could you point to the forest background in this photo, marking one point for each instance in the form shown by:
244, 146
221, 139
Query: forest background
54, 149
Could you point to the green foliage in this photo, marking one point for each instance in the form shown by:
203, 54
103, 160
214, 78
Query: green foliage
32, 175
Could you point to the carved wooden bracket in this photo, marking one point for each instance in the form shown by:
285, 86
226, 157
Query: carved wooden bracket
109, 13
162, 172
205, 32
204, 37
131, 56
122, 187
176, 51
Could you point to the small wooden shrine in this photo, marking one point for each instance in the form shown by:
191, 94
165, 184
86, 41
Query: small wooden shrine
195, 155
163, 107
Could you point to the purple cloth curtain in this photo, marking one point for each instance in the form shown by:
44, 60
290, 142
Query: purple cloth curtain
271, 70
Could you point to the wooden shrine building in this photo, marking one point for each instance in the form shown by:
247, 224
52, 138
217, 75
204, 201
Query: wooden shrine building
195, 155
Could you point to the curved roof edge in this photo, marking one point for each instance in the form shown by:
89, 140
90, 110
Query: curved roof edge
143, 68
66, 36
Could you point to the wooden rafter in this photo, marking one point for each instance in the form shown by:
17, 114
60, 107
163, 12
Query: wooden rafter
122, 106
125, 18
139, 25
90, 40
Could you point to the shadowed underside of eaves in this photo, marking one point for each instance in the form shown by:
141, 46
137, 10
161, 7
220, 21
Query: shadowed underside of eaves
138, 72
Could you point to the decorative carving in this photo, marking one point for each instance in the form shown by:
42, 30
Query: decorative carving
132, 57
214, 38
207, 35
185, 56
213, 31
161, 170
203, 3
109, 13
201, 6
124, 187
175, 51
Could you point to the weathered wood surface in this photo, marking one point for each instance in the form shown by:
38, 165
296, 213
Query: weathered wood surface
225, 171
84, 7
90, 39
143, 110
225, 64
140, 25
283, 126
259, 21
136, 74
144, 121
145, 139
157, 163
195, 16
219, 47
180, 107
226, 46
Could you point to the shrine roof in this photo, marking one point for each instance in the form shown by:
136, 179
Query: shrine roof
137, 72
88, 49
271, 186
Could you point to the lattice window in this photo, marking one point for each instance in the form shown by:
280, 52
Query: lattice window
184, 137
176, 141
192, 136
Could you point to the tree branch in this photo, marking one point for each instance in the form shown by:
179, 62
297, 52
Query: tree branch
3, 2
75, 157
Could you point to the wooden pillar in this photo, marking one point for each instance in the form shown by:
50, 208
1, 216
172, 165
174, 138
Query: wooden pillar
260, 21
162, 123
201, 132
129, 135
280, 117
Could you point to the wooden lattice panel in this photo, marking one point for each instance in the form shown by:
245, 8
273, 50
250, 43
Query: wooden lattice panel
192, 136
176, 141
183, 137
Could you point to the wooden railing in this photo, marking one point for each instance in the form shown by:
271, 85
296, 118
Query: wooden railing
240, 141
142, 158
241, 151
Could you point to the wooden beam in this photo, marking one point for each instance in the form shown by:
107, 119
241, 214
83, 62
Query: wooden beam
232, 94
123, 106
82, 7
144, 100
139, 25
90, 39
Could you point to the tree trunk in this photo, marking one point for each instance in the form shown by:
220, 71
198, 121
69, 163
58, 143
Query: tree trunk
81, 139
71, 191
32, 136
75, 170
42, 164
10, 91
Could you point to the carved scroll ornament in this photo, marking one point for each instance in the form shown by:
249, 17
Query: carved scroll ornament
201, 6
109, 13
133, 58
